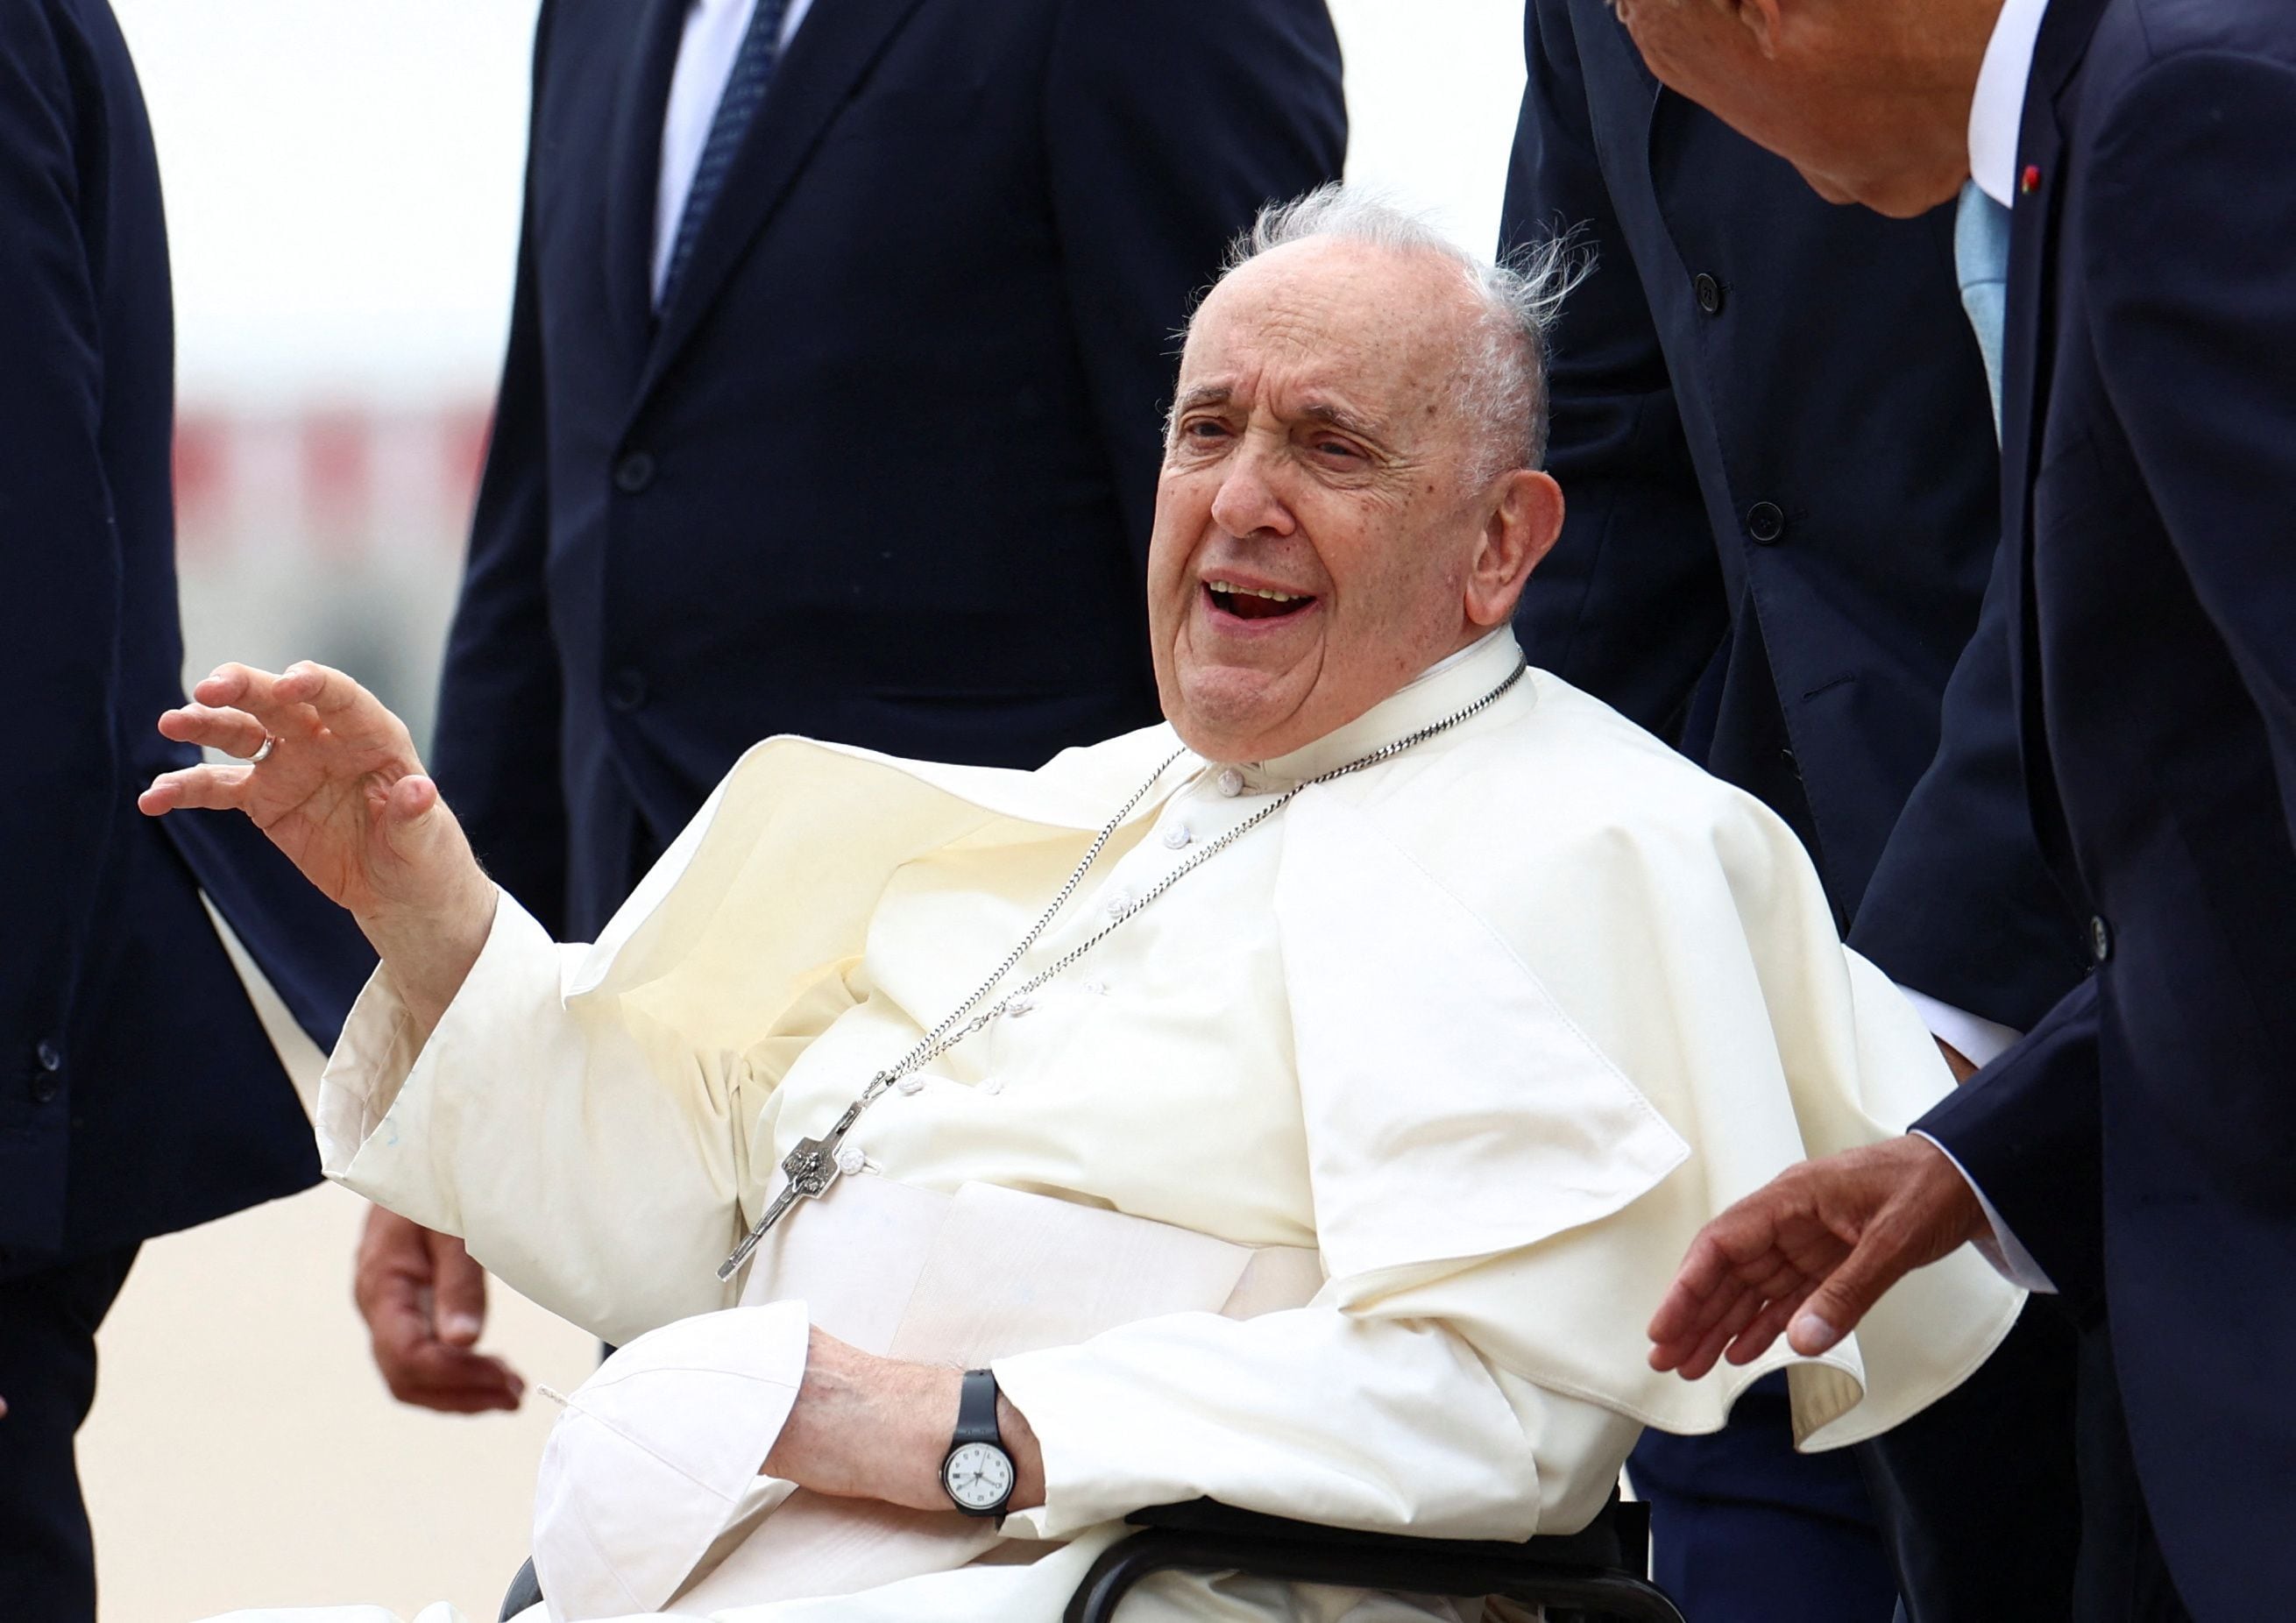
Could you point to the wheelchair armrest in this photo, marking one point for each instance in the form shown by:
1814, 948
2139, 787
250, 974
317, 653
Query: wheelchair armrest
1618, 1536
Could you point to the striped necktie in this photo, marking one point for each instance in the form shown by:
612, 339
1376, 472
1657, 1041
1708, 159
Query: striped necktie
1980, 262
737, 104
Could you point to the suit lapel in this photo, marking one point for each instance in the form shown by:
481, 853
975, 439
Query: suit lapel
2026, 356
2024, 363
634, 176
1603, 16
832, 51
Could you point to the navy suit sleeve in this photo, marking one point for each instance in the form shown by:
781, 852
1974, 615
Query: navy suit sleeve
2028, 1131
1163, 136
496, 753
60, 553
1961, 907
2186, 260
1628, 605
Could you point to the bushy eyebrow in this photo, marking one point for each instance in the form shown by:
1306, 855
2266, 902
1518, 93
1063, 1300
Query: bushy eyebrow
1341, 419
1315, 411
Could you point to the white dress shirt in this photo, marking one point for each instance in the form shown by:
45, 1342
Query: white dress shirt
1999, 106
1977, 1039
705, 60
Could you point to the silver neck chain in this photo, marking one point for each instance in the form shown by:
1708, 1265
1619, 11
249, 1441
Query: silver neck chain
814, 1165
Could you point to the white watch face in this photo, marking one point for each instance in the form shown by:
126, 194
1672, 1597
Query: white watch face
978, 1476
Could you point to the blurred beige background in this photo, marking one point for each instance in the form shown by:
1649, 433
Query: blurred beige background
243, 1450
342, 191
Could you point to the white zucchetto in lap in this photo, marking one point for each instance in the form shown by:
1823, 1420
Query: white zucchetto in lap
615, 1485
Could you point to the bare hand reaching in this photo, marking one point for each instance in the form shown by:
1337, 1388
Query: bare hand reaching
1814, 1248
331, 775
424, 1301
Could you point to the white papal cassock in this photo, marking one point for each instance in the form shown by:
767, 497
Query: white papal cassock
1339, 1182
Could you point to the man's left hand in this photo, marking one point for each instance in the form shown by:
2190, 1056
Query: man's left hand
869, 1427
1815, 1248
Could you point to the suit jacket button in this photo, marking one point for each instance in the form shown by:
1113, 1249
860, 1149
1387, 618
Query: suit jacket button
627, 692
1709, 291
1766, 522
46, 1082
633, 473
2100, 938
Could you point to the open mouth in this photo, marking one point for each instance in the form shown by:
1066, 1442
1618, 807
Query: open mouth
1255, 603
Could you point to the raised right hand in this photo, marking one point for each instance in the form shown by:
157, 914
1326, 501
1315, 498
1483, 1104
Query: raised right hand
341, 791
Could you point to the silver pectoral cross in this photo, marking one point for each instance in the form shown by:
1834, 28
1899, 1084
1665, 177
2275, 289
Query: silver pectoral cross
809, 1168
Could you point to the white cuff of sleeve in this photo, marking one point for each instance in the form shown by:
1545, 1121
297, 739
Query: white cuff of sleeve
2010, 1260
1976, 1039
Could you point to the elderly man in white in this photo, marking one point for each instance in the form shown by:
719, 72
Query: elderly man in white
1302, 1104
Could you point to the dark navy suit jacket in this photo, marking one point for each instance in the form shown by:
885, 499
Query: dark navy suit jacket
138, 1093
882, 470
1781, 513
1780, 551
2142, 1141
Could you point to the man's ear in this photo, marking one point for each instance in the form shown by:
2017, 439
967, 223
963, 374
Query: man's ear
1521, 528
1761, 20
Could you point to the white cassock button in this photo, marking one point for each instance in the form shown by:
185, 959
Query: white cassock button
993, 1085
1098, 988
1018, 1006
849, 1160
1231, 783
911, 1083
1176, 837
1118, 901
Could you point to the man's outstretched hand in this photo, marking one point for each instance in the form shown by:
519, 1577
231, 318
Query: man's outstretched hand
424, 1301
1814, 1248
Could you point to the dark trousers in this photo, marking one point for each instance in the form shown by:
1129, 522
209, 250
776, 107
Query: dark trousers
1979, 1496
1745, 1530
2124, 1577
47, 1375
1972, 1508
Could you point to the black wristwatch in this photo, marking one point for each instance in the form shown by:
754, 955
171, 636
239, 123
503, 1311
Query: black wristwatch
978, 1473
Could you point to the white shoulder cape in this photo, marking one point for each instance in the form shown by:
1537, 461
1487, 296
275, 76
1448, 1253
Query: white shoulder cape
1558, 997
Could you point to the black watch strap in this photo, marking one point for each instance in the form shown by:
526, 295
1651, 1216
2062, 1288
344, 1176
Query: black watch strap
976, 1411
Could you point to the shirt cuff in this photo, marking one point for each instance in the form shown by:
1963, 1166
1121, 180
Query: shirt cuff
2010, 1260
1977, 1039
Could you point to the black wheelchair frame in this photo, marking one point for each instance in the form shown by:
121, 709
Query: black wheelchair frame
1578, 1577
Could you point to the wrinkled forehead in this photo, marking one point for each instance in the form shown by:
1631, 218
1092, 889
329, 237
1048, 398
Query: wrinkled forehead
1380, 330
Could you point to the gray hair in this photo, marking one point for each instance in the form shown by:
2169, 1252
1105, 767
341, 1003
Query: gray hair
1503, 392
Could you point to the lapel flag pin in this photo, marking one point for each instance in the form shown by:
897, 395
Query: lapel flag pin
2031, 181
